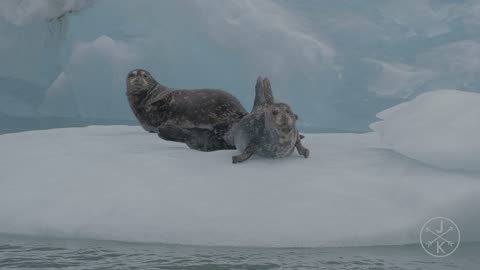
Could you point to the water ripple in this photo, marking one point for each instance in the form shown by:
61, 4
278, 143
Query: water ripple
24, 253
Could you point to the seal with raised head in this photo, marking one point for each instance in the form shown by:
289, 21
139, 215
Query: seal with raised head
269, 130
198, 117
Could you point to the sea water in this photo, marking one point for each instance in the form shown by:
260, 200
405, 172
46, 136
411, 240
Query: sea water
27, 252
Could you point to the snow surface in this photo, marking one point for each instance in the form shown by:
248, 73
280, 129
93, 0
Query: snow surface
440, 128
120, 183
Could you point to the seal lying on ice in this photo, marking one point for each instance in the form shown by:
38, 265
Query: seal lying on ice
269, 130
200, 118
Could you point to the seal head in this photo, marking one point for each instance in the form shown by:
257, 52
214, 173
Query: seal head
141, 88
139, 80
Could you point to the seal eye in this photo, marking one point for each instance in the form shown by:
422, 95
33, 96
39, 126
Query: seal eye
144, 75
275, 112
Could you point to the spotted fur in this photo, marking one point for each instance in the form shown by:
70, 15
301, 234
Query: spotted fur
197, 117
269, 130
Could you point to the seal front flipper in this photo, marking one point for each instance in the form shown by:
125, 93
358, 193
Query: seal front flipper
247, 153
301, 149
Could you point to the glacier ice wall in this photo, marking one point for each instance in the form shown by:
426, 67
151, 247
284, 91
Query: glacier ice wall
337, 63
32, 39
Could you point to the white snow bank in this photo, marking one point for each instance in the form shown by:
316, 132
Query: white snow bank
440, 128
121, 183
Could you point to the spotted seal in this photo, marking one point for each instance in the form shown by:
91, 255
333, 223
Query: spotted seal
269, 130
198, 117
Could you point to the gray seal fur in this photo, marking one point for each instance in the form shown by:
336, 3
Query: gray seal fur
269, 130
198, 117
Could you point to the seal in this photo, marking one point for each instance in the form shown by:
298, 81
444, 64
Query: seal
269, 130
198, 117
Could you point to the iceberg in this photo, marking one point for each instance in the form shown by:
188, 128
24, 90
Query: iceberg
121, 183
439, 128
336, 63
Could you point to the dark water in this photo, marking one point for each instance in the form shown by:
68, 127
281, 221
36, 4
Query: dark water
22, 252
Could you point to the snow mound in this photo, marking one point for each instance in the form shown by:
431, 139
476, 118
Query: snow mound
120, 183
440, 128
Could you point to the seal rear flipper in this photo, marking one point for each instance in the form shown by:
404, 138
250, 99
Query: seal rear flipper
259, 94
263, 93
173, 133
207, 140
267, 89
302, 150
